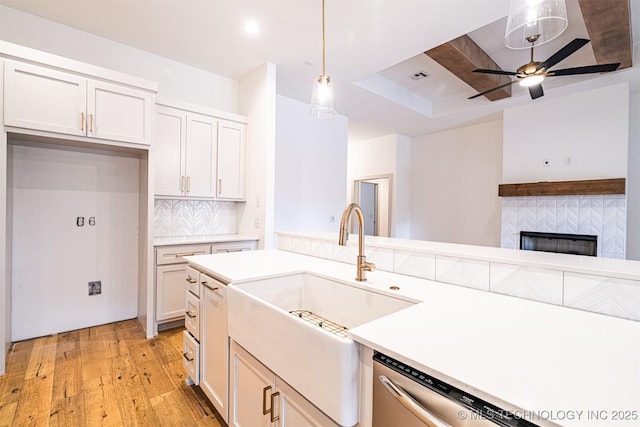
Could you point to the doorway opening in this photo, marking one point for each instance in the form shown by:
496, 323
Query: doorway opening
373, 196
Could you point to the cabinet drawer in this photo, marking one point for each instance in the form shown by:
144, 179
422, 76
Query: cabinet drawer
192, 280
248, 245
175, 254
192, 314
191, 357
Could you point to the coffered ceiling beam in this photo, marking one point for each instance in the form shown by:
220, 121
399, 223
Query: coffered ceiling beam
608, 23
461, 56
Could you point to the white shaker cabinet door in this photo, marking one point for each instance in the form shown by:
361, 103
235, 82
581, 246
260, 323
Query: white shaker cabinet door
251, 385
119, 113
214, 348
169, 151
201, 155
231, 160
44, 99
170, 291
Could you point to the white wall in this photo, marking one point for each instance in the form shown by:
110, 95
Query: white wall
633, 180
591, 127
454, 185
310, 168
176, 80
257, 101
53, 258
382, 156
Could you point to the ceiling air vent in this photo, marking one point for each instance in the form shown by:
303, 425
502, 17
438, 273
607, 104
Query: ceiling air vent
419, 75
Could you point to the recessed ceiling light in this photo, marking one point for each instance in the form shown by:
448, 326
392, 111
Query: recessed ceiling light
251, 26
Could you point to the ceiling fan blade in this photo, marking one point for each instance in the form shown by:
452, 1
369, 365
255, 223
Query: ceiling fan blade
492, 89
589, 69
536, 91
563, 53
501, 72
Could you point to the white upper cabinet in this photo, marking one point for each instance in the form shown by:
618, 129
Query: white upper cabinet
119, 113
169, 150
231, 160
38, 98
199, 155
200, 168
53, 101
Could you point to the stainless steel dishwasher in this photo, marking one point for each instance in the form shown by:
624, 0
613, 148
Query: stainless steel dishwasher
404, 396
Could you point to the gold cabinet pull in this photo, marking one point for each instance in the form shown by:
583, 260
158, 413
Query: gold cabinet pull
82, 121
220, 186
273, 398
265, 411
91, 123
188, 356
182, 184
191, 314
188, 184
185, 254
191, 280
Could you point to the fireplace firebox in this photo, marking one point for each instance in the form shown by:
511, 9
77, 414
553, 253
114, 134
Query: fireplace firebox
577, 244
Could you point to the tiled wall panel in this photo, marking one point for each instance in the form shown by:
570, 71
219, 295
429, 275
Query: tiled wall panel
603, 216
607, 295
526, 282
193, 217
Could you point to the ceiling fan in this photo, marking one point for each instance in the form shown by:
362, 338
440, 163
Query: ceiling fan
533, 73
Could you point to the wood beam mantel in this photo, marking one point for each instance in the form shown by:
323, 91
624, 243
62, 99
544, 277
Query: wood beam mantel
461, 56
564, 188
608, 23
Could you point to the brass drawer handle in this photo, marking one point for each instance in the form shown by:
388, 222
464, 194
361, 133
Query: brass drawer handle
187, 355
265, 411
273, 398
191, 280
185, 254
191, 314
82, 121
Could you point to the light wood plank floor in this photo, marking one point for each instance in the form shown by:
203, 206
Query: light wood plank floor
108, 375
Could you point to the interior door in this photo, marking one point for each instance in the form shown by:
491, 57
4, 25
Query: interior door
369, 204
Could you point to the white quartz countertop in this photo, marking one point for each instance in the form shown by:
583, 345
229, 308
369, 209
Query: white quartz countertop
189, 240
564, 365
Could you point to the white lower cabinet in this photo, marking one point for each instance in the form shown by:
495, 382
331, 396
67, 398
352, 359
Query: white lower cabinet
170, 279
214, 343
258, 397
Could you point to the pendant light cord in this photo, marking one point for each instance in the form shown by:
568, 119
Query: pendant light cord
323, 58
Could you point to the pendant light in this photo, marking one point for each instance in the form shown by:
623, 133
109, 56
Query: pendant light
545, 18
323, 102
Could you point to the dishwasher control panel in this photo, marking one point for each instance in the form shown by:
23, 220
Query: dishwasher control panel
486, 409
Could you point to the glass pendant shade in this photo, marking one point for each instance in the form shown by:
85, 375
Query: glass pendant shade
323, 101
546, 18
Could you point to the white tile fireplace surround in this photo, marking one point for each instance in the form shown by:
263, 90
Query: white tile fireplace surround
604, 216
172, 218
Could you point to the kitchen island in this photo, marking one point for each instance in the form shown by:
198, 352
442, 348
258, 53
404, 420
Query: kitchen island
548, 363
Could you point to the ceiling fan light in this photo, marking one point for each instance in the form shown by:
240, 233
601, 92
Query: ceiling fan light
531, 81
323, 100
546, 18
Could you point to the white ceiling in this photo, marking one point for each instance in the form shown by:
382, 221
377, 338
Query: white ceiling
371, 44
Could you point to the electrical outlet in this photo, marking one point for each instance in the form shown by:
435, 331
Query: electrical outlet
568, 161
95, 288
92, 221
80, 221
